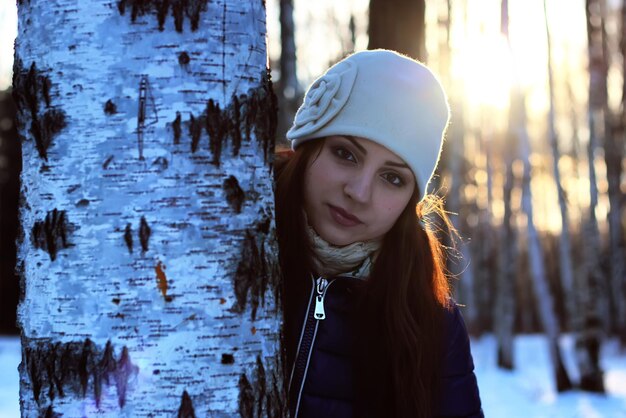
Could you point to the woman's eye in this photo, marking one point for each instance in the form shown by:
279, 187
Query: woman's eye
344, 154
394, 179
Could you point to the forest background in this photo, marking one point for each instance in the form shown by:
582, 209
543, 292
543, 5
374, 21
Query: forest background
533, 170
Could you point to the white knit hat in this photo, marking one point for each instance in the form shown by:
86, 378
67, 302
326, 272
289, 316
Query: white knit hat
385, 97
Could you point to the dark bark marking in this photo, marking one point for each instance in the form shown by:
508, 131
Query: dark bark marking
162, 281
183, 59
195, 131
248, 276
144, 233
128, 237
116, 301
227, 358
21, 277
186, 407
30, 89
177, 128
177, 13
106, 163
263, 226
194, 8
45, 87
261, 397
255, 271
69, 367
246, 397
217, 125
51, 235
261, 386
234, 193
255, 112
82, 203
180, 9
161, 9
161, 162
124, 370
235, 123
50, 413
261, 115
110, 108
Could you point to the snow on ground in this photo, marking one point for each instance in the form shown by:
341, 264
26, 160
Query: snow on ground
10, 357
527, 392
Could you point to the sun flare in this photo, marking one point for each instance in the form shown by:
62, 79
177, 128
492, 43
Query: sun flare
484, 67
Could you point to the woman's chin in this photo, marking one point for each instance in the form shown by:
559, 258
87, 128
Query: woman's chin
335, 238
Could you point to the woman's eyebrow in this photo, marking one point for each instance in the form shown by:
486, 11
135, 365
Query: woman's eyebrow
395, 164
355, 143
364, 151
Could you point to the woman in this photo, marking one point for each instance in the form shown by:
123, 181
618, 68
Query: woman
370, 327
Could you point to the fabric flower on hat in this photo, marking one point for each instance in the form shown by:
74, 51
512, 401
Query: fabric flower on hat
324, 99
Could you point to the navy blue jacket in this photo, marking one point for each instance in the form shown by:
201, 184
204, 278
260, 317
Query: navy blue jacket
322, 383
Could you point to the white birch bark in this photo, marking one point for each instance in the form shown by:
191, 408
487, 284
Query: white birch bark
565, 247
543, 296
147, 253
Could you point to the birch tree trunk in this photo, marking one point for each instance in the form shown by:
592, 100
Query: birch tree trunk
613, 155
613, 162
398, 25
504, 311
565, 247
543, 297
454, 158
504, 315
288, 88
147, 255
461, 269
576, 154
589, 340
288, 74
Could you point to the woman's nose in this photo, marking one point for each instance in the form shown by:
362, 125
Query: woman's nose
359, 188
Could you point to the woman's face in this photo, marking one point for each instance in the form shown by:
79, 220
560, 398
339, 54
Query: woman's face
355, 190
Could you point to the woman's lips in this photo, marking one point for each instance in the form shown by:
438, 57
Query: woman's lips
342, 217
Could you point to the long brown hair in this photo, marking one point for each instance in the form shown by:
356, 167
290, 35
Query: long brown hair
400, 311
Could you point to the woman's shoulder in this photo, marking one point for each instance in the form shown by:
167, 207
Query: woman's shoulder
456, 337
460, 395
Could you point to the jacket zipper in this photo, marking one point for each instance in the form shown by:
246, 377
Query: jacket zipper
307, 338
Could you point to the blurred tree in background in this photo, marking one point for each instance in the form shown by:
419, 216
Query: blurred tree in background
398, 25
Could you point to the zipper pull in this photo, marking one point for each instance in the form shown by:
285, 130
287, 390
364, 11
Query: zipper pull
319, 298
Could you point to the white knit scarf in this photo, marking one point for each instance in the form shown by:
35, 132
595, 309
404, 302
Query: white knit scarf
354, 259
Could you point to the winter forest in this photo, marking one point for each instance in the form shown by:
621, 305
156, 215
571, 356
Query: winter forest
138, 262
